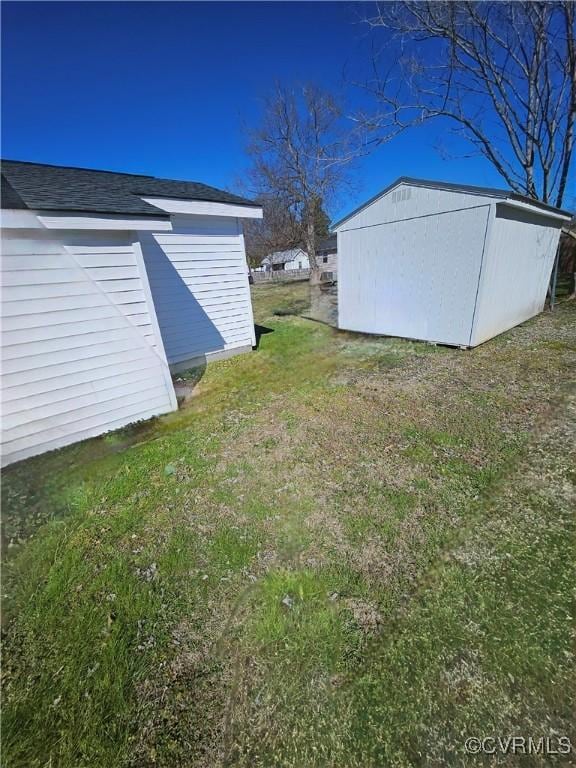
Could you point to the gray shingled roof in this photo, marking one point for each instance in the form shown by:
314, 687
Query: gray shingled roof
327, 244
60, 188
10, 198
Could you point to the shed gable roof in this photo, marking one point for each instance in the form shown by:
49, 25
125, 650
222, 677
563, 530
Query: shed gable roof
61, 188
502, 194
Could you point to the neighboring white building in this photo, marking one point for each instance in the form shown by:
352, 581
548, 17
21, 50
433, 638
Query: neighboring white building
110, 282
444, 263
295, 258
326, 256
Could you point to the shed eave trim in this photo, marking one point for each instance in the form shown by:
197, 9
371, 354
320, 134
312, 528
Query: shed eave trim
546, 212
540, 208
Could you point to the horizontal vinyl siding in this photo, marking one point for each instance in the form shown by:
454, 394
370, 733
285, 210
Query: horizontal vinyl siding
199, 282
331, 265
80, 353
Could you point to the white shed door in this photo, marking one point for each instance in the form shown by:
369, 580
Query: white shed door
416, 278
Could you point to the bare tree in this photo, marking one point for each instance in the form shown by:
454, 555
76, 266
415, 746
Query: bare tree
302, 153
503, 72
278, 230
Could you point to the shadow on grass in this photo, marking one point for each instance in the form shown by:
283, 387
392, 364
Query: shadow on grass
261, 330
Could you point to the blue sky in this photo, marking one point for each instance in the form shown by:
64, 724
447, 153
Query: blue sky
163, 88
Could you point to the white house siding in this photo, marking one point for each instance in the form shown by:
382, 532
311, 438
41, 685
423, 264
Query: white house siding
300, 262
290, 260
415, 277
331, 263
199, 281
80, 350
516, 270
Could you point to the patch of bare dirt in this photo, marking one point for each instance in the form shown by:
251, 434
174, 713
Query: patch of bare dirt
366, 615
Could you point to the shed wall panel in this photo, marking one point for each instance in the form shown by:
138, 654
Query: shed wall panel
516, 272
415, 278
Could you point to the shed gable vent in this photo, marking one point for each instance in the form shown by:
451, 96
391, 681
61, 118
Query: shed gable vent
402, 194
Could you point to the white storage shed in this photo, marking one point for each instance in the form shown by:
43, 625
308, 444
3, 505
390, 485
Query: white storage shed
444, 263
110, 283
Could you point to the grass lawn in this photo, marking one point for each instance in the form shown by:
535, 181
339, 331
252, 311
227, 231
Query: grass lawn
342, 551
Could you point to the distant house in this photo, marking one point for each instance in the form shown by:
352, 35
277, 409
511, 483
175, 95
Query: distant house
286, 260
110, 283
327, 254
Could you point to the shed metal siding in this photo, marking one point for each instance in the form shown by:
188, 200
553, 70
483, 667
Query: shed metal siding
199, 282
410, 202
516, 271
394, 277
443, 265
80, 350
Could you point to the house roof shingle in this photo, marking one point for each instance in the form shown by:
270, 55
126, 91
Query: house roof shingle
10, 198
327, 244
61, 188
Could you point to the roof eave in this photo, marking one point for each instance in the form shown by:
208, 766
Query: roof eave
545, 207
202, 199
151, 214
82, 220
193, 206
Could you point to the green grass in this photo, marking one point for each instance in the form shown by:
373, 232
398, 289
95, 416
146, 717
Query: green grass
344, 550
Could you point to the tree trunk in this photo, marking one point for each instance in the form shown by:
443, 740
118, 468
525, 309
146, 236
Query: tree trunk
250, 275
315, 276
311, 251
